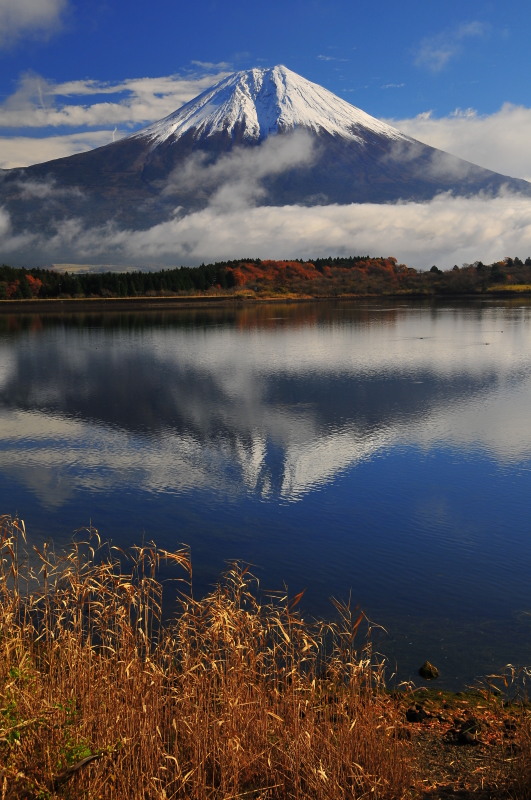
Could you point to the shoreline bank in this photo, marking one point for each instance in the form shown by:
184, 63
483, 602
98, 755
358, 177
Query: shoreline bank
98, 304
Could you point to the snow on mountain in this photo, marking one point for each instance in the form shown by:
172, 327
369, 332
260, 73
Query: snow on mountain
260, 102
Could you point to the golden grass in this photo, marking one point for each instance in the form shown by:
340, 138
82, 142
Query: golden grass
521, 779
508, 288
230, 699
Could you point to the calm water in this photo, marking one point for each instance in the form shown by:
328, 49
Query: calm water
383, 449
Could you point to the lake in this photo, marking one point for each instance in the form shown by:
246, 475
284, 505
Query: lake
381, 449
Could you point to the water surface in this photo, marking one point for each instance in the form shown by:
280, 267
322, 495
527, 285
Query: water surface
382, 449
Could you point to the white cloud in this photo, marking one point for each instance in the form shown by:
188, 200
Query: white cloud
210, 65
5, 224
38, 103
445, 231
20, 18
45, 190
438, 165
233, 181
500, 141
436, 51
21, 151
331, 58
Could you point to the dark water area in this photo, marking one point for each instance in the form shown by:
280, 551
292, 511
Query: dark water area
381, 449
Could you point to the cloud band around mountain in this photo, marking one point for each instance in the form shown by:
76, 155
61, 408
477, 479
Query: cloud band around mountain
444, 231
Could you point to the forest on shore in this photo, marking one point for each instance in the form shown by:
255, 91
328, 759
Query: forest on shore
320, 277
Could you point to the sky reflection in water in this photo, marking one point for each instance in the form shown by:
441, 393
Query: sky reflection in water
383, 448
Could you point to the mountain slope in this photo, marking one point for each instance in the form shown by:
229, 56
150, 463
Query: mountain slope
261, 136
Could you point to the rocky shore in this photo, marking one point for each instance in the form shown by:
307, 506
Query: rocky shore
467, 744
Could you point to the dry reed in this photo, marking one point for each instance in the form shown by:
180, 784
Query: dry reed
231, 698
521, 778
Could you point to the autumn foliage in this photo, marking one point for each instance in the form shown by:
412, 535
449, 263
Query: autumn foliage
26, 286
278, 272
316, 278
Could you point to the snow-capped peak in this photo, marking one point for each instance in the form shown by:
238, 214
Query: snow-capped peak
256, 103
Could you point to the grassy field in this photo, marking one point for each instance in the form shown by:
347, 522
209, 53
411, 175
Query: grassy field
513, 288
236, 696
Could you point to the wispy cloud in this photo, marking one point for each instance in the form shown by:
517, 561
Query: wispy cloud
22, 18
220, 65
235, 179
393, 85
20, 151
499, 141
45, 190
331, 58
39, 103
436, 52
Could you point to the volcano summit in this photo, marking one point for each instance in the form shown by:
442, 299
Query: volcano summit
250, 106
260, 137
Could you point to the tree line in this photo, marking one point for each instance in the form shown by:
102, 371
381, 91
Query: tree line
316, 277
21, 283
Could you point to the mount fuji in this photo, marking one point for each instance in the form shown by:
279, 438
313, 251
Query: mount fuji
261, 137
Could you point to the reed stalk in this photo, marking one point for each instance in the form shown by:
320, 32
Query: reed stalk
235, 696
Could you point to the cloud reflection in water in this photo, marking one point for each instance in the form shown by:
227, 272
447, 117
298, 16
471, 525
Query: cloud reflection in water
247, 403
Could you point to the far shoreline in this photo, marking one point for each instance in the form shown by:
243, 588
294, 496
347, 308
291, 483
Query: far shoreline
174, 302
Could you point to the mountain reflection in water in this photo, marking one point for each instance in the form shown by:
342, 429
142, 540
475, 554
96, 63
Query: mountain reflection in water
258, 409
